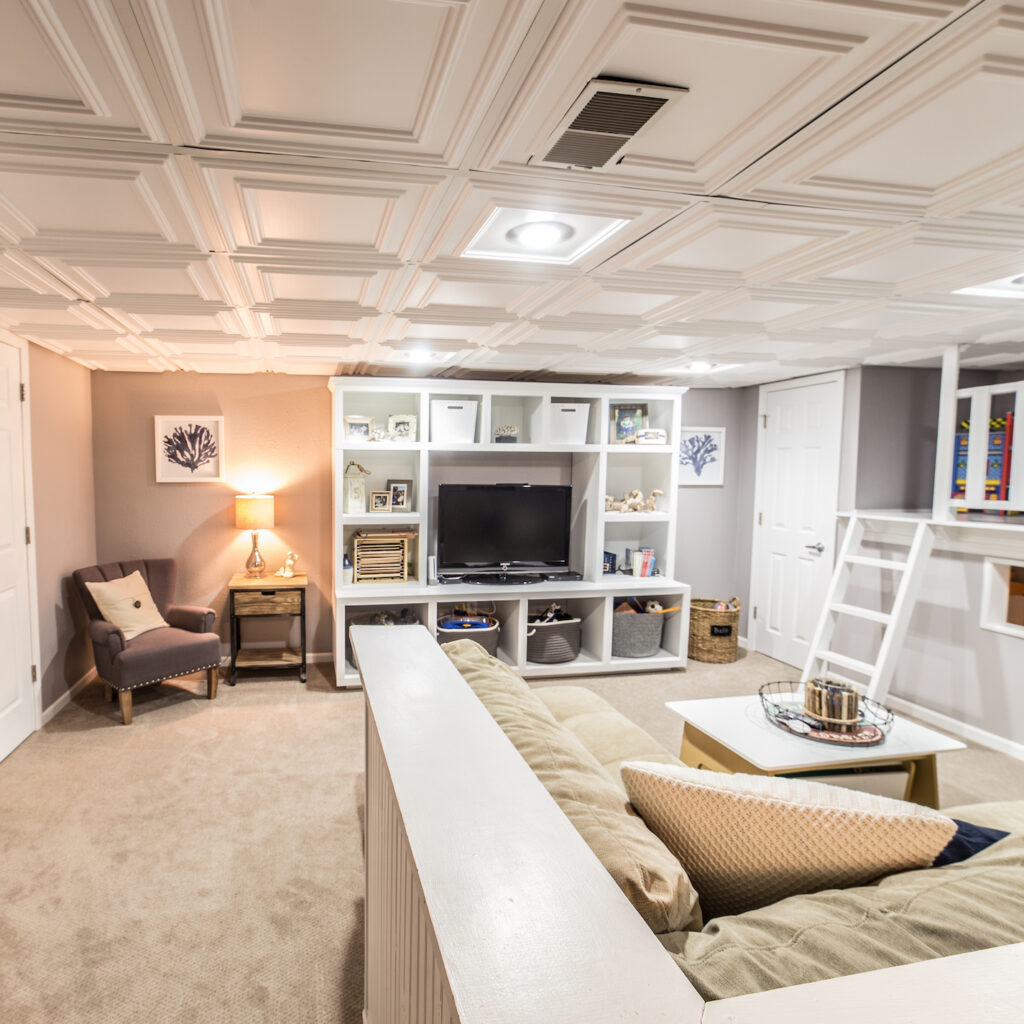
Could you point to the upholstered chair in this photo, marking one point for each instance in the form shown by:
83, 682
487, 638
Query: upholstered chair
186, 644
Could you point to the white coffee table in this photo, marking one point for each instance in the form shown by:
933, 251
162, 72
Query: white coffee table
732, 734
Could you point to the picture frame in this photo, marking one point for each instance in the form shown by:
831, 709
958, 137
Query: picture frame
189, 449
358, 428
401, 495
702, 457
627, 420
402, 426
380, 501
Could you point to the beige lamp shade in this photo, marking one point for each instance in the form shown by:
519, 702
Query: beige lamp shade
254, 511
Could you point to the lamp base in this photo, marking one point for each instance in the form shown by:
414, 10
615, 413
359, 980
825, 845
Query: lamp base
255, 566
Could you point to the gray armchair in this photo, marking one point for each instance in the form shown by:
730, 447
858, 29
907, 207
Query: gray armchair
187, 644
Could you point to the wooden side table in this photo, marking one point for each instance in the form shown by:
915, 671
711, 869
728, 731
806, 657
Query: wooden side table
263, 597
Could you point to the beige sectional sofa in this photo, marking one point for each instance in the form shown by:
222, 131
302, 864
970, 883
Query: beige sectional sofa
502, 914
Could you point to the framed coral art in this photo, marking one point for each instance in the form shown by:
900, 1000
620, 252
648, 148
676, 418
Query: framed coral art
189, 449
702, 456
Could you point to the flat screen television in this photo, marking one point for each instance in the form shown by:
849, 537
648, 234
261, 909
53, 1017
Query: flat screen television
498, 528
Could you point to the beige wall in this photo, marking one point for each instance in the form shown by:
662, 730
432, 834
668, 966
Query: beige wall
277, 438
60, 403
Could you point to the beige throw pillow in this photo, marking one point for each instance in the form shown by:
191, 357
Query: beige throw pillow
749, 840
127, 604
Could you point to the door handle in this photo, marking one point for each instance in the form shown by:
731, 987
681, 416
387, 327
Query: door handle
819, 547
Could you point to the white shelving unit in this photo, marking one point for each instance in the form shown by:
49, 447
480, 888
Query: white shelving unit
595, 467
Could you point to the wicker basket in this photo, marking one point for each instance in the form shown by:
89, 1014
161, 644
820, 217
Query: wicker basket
636, 634
714, 633
486, 637
550, 643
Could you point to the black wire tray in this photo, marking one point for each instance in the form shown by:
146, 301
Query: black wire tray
783, 705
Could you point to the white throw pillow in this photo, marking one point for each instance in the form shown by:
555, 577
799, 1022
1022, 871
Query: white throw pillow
127, 604
749, 840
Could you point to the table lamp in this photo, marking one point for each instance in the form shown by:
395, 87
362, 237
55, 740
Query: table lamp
254, 512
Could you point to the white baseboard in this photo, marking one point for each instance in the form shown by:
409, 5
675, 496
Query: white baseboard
65, 698
954, 726
741, 642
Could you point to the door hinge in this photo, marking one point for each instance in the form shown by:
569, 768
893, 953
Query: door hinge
28, 534
35, 674
764, 421
755, 611
760, 519
22, 388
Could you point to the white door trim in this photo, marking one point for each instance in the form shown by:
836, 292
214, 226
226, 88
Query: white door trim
838, 376
30, 519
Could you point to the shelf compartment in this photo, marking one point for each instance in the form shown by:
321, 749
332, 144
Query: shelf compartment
589, 610
636, 534
379, 406
640, 470
524, 412
564, 415
383, 464
361, 614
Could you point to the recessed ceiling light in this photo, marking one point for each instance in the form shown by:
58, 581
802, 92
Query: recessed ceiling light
420, 355
1004, 288
699, 367
540, 234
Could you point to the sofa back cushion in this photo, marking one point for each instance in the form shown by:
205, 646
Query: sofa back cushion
651, 878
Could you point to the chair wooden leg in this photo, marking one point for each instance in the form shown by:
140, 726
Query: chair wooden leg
124, 698
108, 693
212, 678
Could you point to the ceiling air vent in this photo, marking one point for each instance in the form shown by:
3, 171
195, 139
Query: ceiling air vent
605, 116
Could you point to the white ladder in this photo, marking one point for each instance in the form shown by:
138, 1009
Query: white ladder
911, 572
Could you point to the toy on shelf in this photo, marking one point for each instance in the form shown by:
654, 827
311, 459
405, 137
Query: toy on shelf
999, 456
634, 501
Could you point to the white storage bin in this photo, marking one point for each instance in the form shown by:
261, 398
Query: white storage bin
453, 420
569, 422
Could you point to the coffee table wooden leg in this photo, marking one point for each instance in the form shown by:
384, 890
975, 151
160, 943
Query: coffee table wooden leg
699, 750
924, 785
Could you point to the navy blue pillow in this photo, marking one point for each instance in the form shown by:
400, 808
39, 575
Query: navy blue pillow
968, 840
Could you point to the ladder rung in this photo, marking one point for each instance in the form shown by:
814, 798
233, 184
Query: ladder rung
862, 613
878, 563
846, 662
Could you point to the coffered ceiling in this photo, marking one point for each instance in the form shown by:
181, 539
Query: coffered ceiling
312, 186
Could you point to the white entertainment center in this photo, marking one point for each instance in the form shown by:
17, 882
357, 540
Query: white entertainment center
594, 465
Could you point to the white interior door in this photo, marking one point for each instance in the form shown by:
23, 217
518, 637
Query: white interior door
17, 700
795, 516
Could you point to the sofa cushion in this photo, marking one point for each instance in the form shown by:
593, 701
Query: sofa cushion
905, 918
127, 604
1007, 815
652, 879
606, 733
749, 840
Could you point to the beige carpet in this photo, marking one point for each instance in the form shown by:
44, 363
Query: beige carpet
205, 864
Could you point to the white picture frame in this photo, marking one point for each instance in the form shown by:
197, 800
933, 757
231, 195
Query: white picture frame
402, 427
702, 457
189, 449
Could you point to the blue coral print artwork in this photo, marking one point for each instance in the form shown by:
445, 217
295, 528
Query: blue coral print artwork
189, 449
701, 453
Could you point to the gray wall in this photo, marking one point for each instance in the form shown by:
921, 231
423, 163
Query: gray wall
60, 401
715, 524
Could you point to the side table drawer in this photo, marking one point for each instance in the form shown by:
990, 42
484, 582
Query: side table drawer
268, 602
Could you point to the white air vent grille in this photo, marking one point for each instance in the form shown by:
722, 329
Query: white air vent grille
605, 116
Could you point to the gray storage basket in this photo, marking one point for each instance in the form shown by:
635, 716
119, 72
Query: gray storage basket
636, 634
487, 637
549, 643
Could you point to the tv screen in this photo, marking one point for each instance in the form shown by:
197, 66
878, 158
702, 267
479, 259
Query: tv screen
486, 526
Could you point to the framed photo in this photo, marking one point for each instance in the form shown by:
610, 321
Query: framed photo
380, 501
702, 457
189, 449
401, 495
627, 421
358, 428
402, 426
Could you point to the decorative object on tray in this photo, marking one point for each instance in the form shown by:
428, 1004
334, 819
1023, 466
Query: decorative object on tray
401, 495
287, 571
714, 630
651, 435
381, 557
553, 636
831, 715
189, 449
507, 434
402, 427
355, 489
702, 456
358, 428
633, 501
380, 501
627, 421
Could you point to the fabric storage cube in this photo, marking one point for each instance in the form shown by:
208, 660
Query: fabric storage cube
485, 636
453, 420
550, 643
569, 422
636, 635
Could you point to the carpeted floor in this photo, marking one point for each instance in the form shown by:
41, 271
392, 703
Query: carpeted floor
205, 864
